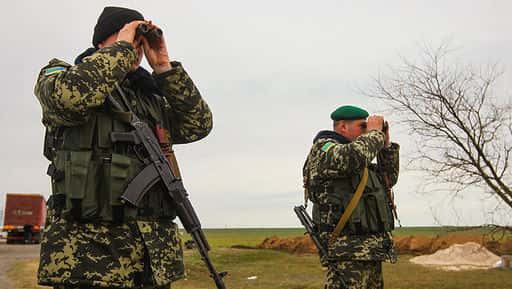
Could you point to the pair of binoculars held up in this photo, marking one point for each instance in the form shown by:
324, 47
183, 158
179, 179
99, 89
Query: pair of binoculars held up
152, 35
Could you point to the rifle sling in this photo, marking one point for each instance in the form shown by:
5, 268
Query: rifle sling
351, 206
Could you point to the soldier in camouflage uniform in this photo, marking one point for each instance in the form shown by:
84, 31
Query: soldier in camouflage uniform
333, 170
91, 239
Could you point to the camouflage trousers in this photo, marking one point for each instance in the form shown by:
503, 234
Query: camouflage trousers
355, 274
88, 287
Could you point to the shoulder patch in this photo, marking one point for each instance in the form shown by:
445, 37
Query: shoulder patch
327, 146
54, 70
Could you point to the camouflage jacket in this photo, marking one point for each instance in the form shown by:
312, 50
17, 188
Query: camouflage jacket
334, 158
105, 254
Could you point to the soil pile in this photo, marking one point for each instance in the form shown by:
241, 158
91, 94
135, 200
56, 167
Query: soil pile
418, 245
415, 245
296, 245
468, 256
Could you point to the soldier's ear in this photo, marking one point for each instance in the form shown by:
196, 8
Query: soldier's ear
340, 126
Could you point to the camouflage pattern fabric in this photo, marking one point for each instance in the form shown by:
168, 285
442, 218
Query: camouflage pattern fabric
355, 274
363, 247
67, 96
330, 160
99, 255
188, 113
388, 163
165, 250
109, 255
342, 160
88, 287
143, 253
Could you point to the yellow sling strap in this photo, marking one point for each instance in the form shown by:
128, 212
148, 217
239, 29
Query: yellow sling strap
351, 206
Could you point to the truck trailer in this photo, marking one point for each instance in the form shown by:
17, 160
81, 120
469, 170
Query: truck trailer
24, 217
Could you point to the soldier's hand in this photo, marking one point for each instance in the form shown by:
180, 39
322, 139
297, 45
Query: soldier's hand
127, 33
156, 53
375, 122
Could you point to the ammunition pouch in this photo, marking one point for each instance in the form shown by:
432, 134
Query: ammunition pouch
90, 172
372, 214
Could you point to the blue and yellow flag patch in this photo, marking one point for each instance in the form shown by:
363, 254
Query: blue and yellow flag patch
327, 146
53, 70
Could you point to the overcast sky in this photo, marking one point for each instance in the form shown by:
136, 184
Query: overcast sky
272, 72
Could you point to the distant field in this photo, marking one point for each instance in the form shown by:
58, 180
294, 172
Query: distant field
254, 236
245, 237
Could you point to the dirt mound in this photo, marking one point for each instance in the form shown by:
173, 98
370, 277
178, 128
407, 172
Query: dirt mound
468, 256
418, 245
296, 245
415, 245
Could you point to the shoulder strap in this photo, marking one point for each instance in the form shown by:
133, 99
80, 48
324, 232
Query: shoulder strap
351, 206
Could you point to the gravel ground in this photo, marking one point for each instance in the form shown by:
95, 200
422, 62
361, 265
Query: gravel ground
11, 253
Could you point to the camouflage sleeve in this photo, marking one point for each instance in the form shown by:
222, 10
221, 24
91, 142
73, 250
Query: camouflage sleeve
388, 162
66, 92
189, 116
351, 158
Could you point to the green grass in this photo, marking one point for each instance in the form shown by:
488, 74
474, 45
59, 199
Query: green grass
225, 238
432, 231
272, 269
407, 275
279, 270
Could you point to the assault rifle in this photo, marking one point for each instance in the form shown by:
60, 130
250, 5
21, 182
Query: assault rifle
313, 233
311, 230
157, 169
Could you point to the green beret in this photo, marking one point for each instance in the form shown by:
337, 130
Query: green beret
349, 112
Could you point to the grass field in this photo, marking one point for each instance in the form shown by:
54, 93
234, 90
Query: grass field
273, 270
254, 236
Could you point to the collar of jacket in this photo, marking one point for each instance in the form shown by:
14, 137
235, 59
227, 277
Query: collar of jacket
139, 78
332, 135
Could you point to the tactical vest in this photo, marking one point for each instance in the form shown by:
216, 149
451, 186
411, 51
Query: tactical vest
90, 172
372, 214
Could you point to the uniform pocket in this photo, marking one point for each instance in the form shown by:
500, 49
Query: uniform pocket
372, 223
120, 175
104, 129
81, 181
384, 213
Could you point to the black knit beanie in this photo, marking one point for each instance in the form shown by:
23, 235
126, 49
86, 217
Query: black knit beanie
111, 20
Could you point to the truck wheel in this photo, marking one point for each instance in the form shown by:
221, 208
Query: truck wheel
9, 238
37, 238
27, 236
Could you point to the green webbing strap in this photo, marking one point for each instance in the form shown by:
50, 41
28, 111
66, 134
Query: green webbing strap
351, 206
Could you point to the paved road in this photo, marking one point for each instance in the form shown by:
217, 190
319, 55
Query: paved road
11, 253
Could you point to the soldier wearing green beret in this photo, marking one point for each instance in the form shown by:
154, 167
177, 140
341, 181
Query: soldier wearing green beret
91, 238
352, 207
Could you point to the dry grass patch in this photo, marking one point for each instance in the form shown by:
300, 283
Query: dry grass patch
23, 274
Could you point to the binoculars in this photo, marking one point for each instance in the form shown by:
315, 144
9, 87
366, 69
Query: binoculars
152, 35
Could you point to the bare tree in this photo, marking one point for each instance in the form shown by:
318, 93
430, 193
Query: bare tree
464, 131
